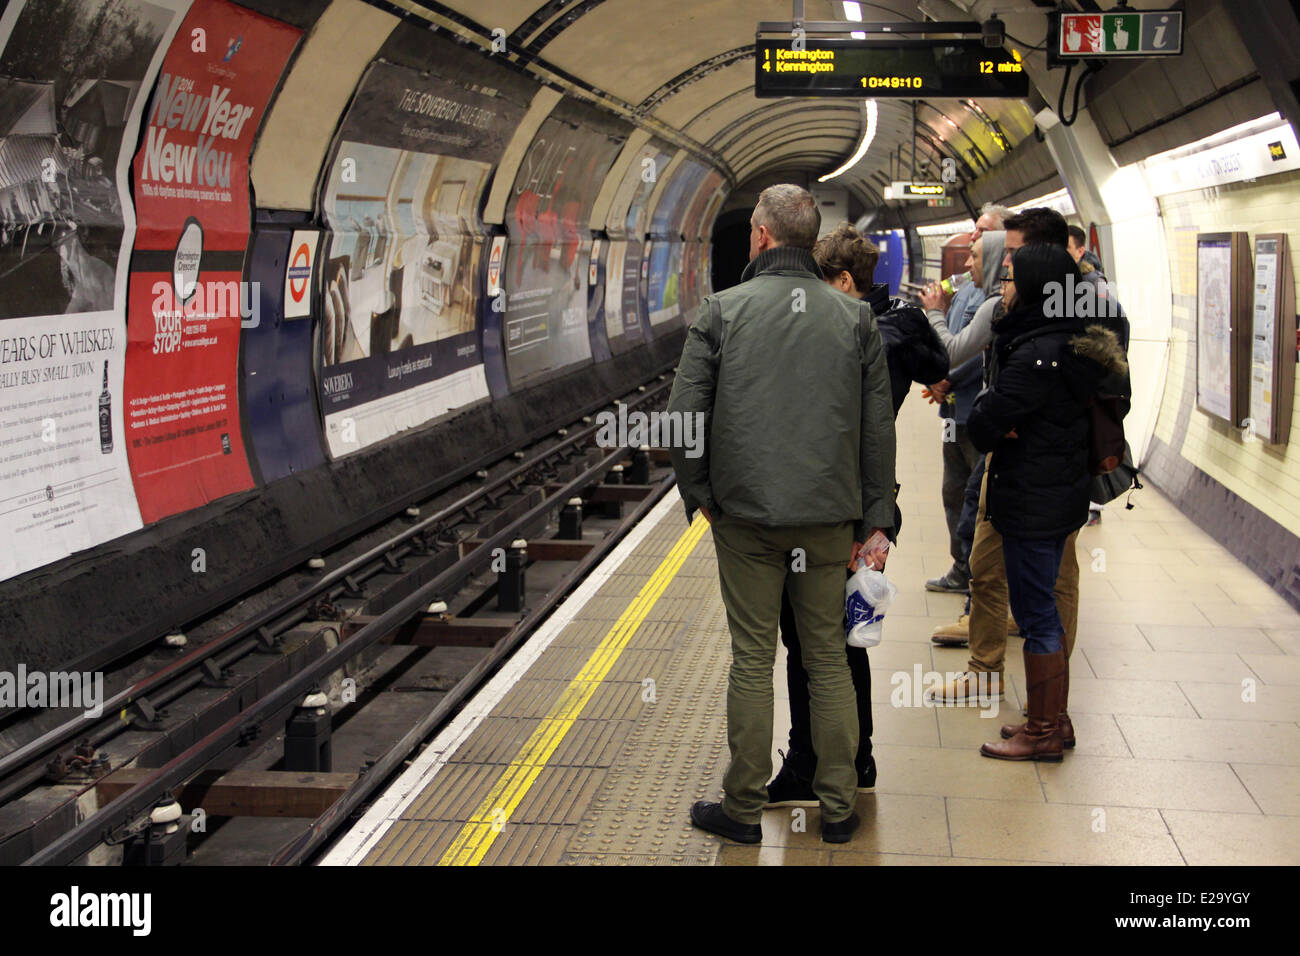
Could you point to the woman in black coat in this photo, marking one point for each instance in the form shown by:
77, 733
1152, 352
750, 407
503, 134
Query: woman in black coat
1034, 418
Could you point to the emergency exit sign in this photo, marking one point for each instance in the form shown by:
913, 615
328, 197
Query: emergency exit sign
1131, 33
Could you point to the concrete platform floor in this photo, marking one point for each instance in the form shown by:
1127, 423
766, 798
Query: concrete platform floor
592, 743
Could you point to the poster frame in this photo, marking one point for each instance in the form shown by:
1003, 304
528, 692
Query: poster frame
1283, 358
1240, 286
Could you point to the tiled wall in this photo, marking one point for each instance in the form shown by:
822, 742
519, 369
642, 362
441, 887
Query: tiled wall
1247, 493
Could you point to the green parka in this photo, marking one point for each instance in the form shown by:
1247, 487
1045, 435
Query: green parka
791, 380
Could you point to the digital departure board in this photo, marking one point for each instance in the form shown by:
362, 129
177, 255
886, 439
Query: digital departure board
879, 68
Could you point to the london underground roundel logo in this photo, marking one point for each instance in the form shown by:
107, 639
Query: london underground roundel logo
299, 272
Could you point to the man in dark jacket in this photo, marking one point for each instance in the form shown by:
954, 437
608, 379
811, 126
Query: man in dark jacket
790, 379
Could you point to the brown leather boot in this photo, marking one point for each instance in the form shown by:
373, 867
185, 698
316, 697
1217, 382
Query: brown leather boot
1041, 737
1067, 728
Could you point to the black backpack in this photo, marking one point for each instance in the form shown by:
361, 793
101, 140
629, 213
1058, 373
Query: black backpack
1106, 444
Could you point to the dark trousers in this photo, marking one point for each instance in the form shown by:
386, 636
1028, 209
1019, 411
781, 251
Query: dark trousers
1032, 567
970, 510
959, 459
797, 683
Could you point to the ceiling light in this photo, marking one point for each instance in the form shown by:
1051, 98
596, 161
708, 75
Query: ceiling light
852, 11
869, 107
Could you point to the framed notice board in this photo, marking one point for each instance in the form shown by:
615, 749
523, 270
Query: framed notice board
1272, 361
1223, 302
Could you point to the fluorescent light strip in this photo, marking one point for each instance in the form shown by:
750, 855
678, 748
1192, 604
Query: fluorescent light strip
946, 228
1060, 200
869, 106
853, 11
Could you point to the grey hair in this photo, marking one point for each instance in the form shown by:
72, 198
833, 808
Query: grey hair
1001, 213
791, 215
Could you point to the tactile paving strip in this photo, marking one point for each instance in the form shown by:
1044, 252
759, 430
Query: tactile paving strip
647, 704
675, 755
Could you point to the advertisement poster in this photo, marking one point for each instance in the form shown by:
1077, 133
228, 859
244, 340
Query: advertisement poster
708, 195
663, 289
670, 211
1263, 347
629, 214
617, 323
399, 337
696, 222
1214, 327
548, 216
188, 297
74, 78
628, 220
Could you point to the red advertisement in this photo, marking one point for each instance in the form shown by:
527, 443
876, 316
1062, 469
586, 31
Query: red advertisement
187, 299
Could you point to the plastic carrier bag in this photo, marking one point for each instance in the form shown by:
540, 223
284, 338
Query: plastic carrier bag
866, 597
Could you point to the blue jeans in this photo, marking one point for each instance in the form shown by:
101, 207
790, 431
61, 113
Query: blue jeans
1032, 567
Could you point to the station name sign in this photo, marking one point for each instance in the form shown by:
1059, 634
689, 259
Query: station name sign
1133, 33
886, 68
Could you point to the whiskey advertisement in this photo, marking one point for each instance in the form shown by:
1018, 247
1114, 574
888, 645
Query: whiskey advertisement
74, 79
188, 298
399, 332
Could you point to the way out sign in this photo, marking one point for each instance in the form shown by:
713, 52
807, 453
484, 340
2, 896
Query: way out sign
1131, 33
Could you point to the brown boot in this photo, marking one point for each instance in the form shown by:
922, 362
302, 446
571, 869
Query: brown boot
1067, 728
1041, 737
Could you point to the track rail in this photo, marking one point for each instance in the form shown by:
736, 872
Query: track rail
386, 767
26, 765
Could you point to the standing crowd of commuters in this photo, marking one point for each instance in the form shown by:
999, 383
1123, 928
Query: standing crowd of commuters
799, 372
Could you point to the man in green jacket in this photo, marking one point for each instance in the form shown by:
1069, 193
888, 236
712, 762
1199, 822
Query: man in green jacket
797, 472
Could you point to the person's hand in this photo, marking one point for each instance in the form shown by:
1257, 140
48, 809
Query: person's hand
873, 552
937, 393
932, 296
1011, 434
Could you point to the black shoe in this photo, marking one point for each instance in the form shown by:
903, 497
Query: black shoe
841, 830
710, 816
790, 788
867, 777
954, 582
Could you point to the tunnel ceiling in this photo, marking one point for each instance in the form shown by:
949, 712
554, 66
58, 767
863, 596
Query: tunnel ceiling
688, 64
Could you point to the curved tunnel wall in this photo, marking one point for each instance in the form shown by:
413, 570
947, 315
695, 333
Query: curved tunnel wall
297, 260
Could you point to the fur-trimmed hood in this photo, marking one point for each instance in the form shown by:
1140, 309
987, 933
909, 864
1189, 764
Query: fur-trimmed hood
1101, 345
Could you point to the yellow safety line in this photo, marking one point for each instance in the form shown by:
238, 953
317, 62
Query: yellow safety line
477, 836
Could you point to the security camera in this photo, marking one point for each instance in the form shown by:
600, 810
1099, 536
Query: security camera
993, 31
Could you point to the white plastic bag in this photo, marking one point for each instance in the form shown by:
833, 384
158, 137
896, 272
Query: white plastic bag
866, 597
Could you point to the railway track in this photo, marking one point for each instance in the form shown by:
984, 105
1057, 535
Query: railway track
189, 726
